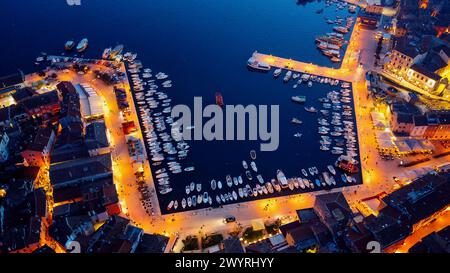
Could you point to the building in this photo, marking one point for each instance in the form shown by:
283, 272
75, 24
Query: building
333, 211
401, 59
38, 152
42, 105
12, 80
4, 153
91, 103
369, 17
436, 242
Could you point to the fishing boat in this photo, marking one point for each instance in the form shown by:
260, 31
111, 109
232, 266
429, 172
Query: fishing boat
282, 179
253, 165
298, 99
253, 154
219, 99
69, 45
82, 45
213, 184
311, 109
296, 121
257, 65
229, 180
244, 164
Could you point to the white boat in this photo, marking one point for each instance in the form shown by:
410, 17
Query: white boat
331, 169
183, 203
189, 202
188, 190
249, 175
264, 189
282, 178
175, 205
291, 185
194, 200
288, 76
277, 72
218, 199
269, 187
244, 164
255, 64
189, 169
192, 186
229, 181
260, 179
240, 180
310, 84
300, 182
205, 197
253, 165
219, 185
170, 205
199, 199
304, 172
213, 184
199, 187
82, 45
253, 154
235, 181
235, 196
241, 193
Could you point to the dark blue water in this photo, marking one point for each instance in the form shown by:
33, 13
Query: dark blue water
203, 46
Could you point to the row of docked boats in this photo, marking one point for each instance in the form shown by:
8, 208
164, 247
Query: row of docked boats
331, 43
164, 142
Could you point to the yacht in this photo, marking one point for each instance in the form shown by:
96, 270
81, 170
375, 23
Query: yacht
288, 76
253, 165
82, 45
244, 164
69, 45
229, 180
257, 65
277, 72
213, 184
249, 175
311, 109
282, 178
298, 99
260, 179
296, 121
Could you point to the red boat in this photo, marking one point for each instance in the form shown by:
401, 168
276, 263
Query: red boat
219, 99
347, 164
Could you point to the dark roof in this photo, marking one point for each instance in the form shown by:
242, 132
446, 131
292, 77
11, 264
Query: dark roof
152, 243
419, 68
404, 118
422, 197
421, 120
75, 171
333, 205
41, 140
436, 242
96, 136
233, 245
22, 235
41, 100
23, 93
406, 108
307, 215
405, 49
